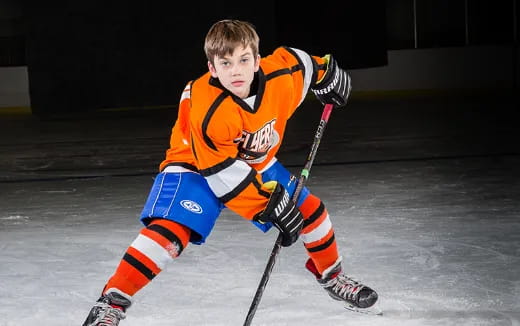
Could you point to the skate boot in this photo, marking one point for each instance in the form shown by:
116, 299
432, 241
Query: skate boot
342, 288
108, 310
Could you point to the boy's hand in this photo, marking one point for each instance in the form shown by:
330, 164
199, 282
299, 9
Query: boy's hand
334, 87
282, 212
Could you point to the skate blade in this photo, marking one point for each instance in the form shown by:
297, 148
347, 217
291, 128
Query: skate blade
372, 311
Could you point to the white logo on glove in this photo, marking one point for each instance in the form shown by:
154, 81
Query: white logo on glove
282, 204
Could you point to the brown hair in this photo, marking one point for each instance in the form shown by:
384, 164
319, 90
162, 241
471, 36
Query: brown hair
225, 35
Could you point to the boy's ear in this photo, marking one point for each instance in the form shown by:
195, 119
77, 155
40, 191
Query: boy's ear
212, 70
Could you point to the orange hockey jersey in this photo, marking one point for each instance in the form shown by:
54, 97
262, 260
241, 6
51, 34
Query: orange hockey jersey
230, 140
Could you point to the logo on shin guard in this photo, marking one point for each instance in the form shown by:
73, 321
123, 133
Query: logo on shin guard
174, 249
191, 206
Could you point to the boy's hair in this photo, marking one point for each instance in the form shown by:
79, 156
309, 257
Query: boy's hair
225, 35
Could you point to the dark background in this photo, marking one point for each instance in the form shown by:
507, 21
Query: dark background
84, 55
127, 54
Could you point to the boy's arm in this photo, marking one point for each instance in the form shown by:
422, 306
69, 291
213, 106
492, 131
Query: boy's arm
179, 152
321, 75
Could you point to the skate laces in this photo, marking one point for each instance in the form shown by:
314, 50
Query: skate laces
343, 287
108, 315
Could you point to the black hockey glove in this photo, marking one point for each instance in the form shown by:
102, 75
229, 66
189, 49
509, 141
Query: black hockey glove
282, 212
334, 87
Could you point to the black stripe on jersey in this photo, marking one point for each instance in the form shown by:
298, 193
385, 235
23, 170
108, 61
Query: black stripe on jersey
296, 68
172, 237
241, 186
262, 192
193, 147
240, 102
317, 213
182, 164
300, 65
207, 118
252, 154
218, 167
323, 246
139, 266
277, 73
260, 88
315, 69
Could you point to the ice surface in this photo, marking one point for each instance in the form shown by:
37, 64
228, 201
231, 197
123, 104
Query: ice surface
427, 216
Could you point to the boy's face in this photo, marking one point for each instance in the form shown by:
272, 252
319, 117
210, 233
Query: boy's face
236, 71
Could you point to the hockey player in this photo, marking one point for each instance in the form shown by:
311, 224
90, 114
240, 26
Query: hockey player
222, 153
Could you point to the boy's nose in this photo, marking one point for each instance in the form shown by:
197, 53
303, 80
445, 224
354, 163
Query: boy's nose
235, 69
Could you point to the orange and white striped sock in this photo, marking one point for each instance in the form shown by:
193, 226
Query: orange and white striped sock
155, 246
318, 234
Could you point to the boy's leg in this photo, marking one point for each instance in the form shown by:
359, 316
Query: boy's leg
319, 241
318, 234
180, 209
156, 245
324, 260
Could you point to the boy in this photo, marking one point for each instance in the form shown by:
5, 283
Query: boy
222, 153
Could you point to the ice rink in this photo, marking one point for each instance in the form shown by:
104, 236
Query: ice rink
423, 193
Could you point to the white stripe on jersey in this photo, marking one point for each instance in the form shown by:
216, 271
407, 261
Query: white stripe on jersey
319, 232
186, 92
227, 180
307, 62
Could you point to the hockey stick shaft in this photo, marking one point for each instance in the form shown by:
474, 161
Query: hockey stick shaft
301, 182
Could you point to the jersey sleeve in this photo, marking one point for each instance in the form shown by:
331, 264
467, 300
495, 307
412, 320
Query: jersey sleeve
179, 151
306, 70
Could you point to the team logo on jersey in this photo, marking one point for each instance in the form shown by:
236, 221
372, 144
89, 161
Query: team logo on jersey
191, 206
253, 146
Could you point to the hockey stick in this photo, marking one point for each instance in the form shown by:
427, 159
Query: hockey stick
301, 181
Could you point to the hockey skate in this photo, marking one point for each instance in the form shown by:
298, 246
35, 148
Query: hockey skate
356, 296
108, 310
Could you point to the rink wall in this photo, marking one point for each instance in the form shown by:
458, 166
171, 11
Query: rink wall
482, 67
470, 68
14, 88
